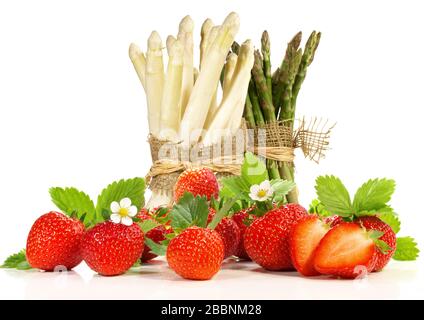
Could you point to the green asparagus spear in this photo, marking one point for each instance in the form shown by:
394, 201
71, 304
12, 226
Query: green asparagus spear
257, 112
280, 81
287, 110
248, 112
262, 89
235, 47
266, 53
307, 58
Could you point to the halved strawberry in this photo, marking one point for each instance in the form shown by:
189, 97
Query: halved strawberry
346, 251
304, 240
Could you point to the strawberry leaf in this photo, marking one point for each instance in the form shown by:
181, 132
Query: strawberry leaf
281, 188
253, 170
116, 191
147, 225
17, 261
388, 216
156, 248
189, 211
333, 195
235, 186
222, 213
373, 195
73, 202
316, 207
406, 249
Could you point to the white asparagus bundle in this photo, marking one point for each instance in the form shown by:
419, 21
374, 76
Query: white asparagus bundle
183, 102
204, 88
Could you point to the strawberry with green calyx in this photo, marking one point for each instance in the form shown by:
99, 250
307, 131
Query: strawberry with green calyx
370, 200
154, 231
195, 250
198, 181
229, 231
54, 239
243, 219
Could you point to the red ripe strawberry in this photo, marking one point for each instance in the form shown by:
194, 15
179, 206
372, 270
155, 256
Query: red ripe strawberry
229, 232
112, 248
201, 181
333, 221
196, 253
53, 241
266, 240
156, 234
240, 218
389, 237
346, 251
304, 240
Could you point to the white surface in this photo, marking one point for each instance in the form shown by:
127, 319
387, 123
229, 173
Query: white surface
241, 280
72, 111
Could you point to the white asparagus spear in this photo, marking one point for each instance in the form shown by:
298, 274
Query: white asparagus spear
228, 73
154, 81
139, 62
213, 107
170, 107
204, 88
195, 74
204, 34
169, 43
185, 35
231, 110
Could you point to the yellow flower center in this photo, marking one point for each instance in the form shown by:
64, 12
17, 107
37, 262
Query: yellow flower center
261, 193
123, 212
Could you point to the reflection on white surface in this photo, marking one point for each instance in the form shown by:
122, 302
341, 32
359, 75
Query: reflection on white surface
236, 280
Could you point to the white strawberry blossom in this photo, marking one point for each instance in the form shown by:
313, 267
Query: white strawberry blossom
262, 191
123, 212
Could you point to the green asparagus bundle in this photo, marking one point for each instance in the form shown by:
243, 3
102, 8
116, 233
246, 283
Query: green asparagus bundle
272, 96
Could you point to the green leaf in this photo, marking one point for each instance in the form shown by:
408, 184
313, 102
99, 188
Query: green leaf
406, 249
156, 248
316, 207
221, 213
72, 201
116, 191
189, 211
334, 195
17, 261
373, 194
383, 246
388, 216
253, 170
281, 188
147, 225
236, 186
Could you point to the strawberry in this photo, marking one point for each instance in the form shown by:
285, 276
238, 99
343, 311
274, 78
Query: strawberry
229, 232
345, 251
389, 237
201, 181
54, 240
266, 239
196, 253
240, 219
112, 248
333, 221
157, 234
304, 240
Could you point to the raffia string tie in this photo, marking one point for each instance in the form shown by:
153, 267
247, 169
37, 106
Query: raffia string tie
284, 154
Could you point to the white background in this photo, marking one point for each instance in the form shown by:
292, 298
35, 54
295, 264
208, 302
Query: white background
73, 113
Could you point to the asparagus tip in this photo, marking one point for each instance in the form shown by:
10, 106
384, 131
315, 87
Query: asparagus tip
154, 42
186, 25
